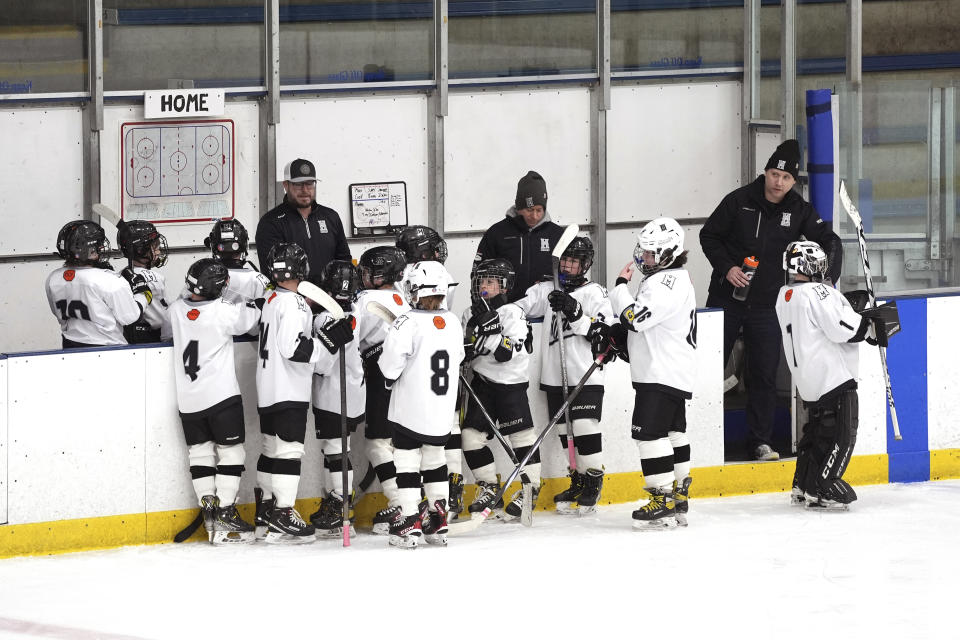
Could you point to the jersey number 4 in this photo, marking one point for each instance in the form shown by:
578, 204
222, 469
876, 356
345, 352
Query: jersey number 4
191, 360
440, 380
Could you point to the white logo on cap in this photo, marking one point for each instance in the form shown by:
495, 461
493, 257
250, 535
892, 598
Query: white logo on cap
782, 165
529, 201
305, 169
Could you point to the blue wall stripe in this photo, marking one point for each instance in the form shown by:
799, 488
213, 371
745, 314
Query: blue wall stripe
907, 362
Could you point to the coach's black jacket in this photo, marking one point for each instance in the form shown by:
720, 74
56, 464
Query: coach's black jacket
746, 224
529, 251
320, 235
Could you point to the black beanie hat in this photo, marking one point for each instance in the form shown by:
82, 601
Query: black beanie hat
531, 190
786, 158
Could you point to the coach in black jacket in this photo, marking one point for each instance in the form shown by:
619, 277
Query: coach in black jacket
525, 237
760, 220
316, 228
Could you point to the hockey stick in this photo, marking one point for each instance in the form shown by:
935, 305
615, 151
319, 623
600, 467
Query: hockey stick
526, 511
321, 297
460, 528
851, 210
568, 235
106, 213
189, 530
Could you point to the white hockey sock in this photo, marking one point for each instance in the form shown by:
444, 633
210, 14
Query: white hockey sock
656, 461
681, 454
229, 467
454, 450
285, 489
434, 469
521, 443
203, 467
589, 444
407, 462
477, 453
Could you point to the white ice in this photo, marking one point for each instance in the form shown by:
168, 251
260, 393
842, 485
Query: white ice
746, 567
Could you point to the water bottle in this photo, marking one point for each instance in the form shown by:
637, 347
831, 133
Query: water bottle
749, 268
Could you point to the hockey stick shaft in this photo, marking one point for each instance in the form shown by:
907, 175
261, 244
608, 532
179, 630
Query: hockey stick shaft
345, 449
106, 213
493, 427
568, 235
855, 217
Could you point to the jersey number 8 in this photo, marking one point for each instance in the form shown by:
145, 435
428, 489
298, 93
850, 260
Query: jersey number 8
440, 380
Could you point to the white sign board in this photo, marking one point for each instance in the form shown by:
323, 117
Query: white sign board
378, 207
183, 103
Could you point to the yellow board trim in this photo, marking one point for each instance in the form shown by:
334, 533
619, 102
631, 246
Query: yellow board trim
84, 534
945, 464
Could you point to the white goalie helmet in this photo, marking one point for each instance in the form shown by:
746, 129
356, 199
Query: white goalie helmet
807, 258
426, 278
664, 238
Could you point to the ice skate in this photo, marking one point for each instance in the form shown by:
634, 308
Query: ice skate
263, 508
565, 499
382, 519
592, 485
515, 507
229, 528
328, 519
797, 497
456, 496
285, 526
486, 492
835, 497
434, 525
208, 507
681, 495
657, 514
405, 532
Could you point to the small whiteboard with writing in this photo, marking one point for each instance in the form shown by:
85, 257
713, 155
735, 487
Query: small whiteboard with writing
378, 207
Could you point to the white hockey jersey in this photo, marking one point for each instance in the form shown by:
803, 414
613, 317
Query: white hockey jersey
422, 352
158, 313
246, 284
203, 364
663, 348
816, 321
287, 352
371, 330
596, 308
514, 332
92, 305
326, 378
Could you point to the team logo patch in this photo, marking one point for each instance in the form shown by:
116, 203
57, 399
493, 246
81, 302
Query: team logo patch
785, 220
193, 314
668, 280
397, 299
629, 314
544, 244
821, 291
69, 275
323, 226
782, 165
439, 322
788, 295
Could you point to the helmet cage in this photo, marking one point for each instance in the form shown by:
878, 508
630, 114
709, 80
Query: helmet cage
580, 248
664, 238
496, 268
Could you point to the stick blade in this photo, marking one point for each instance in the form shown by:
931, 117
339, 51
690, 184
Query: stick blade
381, 311
106, 213
321, 297
526, 512
568, 235
848, 205
461, 527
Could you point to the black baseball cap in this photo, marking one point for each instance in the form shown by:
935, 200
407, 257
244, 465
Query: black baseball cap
300, 170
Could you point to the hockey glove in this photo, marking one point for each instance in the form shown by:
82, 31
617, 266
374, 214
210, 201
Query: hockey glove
858, 299
485, 324
336, 334
140, 332
561, 301
138, 285
617, 335
371, 354
597, 334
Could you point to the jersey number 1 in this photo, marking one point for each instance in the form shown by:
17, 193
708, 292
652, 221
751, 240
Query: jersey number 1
440, 380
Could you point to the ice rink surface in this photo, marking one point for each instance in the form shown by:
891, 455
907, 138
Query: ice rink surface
746, 567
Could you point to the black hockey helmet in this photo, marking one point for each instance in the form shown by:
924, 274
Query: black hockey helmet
62, 238
341, 280
228, 240
422, 243
85, 243
207, 278
580, 248
140, 240
384, 263
287, 261
498, 269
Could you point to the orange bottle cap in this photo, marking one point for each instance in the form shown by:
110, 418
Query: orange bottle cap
751, 262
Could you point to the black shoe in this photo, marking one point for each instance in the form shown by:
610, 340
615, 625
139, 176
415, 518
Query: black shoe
565, 499
592, 485
486, 492
285, 526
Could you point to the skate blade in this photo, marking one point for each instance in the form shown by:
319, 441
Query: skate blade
275, 537
681, 519
381, 529
329, 534
404, 542
228, 538
586, 511
566, 508
831, 508
797, 501
655, 525
439, 539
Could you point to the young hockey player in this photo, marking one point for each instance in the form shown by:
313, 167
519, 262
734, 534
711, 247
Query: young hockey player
418, 243
421, 355
495, 334
288, 354
145, 249
90, 301
381, 268
820, 328
659, 330
583, 309
208, 395
228, 242
339, 278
